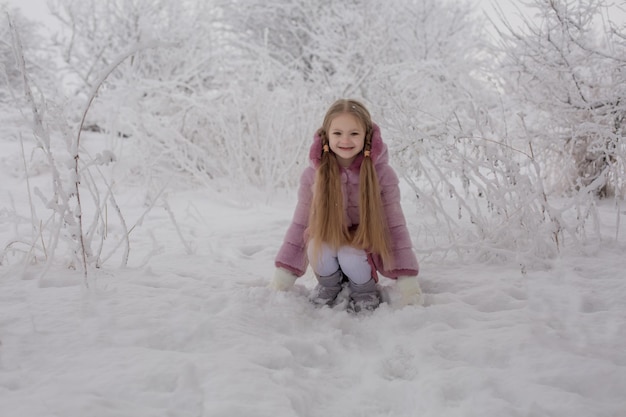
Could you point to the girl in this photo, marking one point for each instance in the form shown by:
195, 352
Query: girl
348, 223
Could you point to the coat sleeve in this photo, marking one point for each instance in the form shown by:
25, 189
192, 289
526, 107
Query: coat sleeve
292, 254
404, 259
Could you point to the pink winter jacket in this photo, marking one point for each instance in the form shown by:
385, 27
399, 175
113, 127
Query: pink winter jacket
292, 254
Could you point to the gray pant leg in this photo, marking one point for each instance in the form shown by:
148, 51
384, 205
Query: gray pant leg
363, 290
330, 281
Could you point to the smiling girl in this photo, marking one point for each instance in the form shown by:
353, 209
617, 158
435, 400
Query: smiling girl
348, 223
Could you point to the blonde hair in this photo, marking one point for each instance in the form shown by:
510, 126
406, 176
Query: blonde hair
326, 219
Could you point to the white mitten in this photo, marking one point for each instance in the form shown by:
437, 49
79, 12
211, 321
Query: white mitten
283, 280
409, 289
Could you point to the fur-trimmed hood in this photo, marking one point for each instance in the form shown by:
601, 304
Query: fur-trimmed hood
378, 154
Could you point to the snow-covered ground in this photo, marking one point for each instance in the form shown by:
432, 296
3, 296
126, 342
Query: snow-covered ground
201, 334
190, 328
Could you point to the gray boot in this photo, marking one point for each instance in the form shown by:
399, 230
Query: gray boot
327, 289
364, 296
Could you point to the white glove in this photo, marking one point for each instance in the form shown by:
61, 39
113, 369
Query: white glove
409, 289
283, 280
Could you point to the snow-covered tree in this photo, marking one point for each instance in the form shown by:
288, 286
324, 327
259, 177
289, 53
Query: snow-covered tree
213, 91
38, 63
566, 69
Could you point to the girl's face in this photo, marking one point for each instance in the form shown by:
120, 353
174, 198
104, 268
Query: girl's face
346, 137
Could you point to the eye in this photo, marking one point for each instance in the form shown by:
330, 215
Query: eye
337, 133
355, 133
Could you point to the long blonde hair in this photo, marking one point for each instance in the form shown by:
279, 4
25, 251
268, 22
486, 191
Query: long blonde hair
326, 219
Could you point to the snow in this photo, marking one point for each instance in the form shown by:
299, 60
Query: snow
201, 334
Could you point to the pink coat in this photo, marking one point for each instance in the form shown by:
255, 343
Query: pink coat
292, 254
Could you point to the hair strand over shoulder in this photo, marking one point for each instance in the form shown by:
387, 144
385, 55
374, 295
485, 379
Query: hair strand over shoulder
326, 220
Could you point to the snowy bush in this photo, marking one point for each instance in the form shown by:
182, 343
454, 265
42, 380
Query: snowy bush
565, 70
10, 77
208, 93
76, 202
